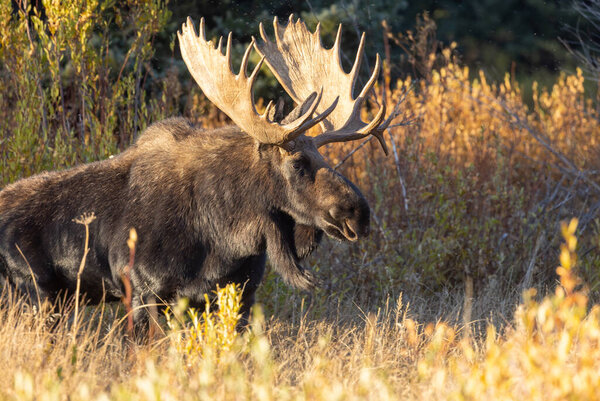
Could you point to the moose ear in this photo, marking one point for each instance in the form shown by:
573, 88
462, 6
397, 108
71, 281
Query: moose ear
276, 113
300, 109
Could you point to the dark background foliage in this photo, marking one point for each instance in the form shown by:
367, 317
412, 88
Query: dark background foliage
498, 36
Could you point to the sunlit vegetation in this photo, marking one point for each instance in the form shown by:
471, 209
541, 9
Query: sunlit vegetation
455, 295
549, 352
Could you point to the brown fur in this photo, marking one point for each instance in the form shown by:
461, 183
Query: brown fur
208, 206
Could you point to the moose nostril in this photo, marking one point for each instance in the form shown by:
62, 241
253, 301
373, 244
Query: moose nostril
333, 212
349, 231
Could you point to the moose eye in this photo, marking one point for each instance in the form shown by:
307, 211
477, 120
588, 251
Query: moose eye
299, 166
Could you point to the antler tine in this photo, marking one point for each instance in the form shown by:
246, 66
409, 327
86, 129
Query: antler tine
321, 116
268, 109
375, 128
244, 65
336, 49
277, 27
201, 30
301, 65
358, 61
228, 51
233, 93
263, 34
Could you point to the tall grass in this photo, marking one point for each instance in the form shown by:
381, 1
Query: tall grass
549, 352
467, 214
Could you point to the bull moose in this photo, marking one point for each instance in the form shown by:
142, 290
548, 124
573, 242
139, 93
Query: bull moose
209, 206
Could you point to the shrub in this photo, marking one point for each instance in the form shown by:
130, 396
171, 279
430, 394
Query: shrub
211, 333
68, 95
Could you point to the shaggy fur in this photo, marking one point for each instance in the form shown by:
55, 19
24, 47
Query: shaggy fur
208, 207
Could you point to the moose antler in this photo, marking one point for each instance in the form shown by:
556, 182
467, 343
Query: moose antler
301, 65
232, 93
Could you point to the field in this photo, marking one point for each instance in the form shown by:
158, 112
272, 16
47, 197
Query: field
480, 279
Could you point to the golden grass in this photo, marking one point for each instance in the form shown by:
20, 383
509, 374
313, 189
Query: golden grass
550, 352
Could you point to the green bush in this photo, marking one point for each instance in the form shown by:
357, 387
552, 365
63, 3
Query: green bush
73, 81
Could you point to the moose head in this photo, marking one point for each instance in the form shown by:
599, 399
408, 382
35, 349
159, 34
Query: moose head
313, 193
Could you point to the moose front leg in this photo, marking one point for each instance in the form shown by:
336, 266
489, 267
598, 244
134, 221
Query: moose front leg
306, 239
280, 248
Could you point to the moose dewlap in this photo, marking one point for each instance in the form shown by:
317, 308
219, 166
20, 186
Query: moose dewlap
209, 206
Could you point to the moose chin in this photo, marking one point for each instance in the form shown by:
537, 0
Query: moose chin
209, 206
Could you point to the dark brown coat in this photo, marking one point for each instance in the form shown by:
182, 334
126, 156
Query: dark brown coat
208, 207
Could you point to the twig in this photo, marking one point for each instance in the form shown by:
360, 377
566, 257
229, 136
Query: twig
37, 292
400, 178
349, 155
312, 11
531, 266
468, 307
125, 277
378, 222
153, 326
136, 100
65, 122
586, 42
85, 219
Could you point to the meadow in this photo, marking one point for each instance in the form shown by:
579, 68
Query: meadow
480, 279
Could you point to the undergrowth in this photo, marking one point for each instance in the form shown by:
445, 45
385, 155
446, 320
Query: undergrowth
548, 352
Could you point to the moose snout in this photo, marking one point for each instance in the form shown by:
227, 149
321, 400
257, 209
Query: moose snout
344, 212
348, 223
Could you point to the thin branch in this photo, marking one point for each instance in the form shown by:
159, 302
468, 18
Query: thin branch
85, 219
126, 279
400, 178
349, 155
531, 266
37, 292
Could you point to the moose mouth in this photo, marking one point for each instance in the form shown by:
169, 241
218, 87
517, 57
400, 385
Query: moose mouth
342, 231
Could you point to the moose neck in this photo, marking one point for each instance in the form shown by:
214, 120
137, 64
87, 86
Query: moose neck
237, 169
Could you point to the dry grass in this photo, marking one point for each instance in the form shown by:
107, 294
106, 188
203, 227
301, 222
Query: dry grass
550, 352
